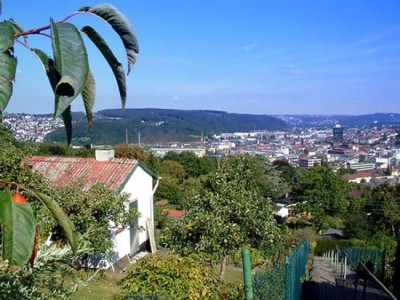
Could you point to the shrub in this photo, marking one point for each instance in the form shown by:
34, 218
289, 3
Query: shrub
325, 245
172, 276
299, 235
257, 258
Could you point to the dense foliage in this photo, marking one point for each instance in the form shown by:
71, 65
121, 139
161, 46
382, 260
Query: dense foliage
91, 212
12, 154
384, 207
323, 193
173, 276
228, 212
181, 174
60, 149
130, 151
396, 275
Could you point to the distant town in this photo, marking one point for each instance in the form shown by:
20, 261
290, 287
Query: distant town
370, 153
31, 128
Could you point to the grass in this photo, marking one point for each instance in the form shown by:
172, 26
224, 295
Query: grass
104, 285
233, 274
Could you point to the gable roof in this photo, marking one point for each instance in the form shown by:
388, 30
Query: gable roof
360, 174
62, 170
334, 233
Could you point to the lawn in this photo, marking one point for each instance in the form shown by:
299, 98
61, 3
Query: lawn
105, 285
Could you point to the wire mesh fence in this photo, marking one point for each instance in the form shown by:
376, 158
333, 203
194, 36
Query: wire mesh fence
270, 283
373, 258
368, 269
283, 280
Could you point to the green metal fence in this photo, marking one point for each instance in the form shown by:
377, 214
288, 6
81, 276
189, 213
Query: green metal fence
372, 257
368, 264
283, 280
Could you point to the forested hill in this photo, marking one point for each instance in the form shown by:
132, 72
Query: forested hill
164, 125
344, 120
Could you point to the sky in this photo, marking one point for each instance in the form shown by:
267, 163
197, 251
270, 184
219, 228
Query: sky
242, 56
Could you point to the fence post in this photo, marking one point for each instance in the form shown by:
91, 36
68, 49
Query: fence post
288, 281
248, 285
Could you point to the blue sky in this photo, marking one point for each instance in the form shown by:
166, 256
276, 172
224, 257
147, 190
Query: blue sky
243, 56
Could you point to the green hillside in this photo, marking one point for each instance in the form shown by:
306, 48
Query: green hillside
163, 125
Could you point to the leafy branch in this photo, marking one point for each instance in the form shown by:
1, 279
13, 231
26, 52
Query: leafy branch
17, 220
68, 69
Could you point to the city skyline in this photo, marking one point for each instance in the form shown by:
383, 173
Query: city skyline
258, 57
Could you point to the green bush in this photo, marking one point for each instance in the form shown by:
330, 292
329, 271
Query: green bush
257, 258
39, 283
231, 291
171, 276
297, 236
325, 245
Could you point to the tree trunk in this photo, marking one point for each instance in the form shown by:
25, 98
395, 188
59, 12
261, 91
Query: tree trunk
223, 267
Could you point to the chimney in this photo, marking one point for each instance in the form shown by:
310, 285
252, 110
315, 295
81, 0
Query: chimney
104, 154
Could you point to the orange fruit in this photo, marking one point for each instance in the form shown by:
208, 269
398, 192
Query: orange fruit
18, 198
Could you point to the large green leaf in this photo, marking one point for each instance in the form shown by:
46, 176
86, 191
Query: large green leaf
113, 62
6, 36
18, 228
8, 65
71, 62
89, 96
67, 119
16, 28
121, 25
49, 65
61, 218
54, 77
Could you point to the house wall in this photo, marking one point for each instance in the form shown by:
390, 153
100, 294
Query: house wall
121, 242
140, 188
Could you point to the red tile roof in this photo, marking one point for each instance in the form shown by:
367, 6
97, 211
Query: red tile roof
62, 170
360, 174
174, 213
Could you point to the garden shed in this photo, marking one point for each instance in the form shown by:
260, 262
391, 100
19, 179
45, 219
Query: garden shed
125, 175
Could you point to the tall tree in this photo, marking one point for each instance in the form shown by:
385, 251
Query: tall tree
385, 206
289, 173
194, 166
130, 151
323, 192
91, 212
173, 169
227, 213
154, 163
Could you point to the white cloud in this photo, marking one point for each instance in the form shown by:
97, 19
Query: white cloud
175, 98
250, 46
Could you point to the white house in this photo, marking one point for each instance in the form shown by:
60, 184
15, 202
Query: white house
126, 175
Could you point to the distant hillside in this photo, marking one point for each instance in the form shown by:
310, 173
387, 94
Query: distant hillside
344, 120
165, 125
